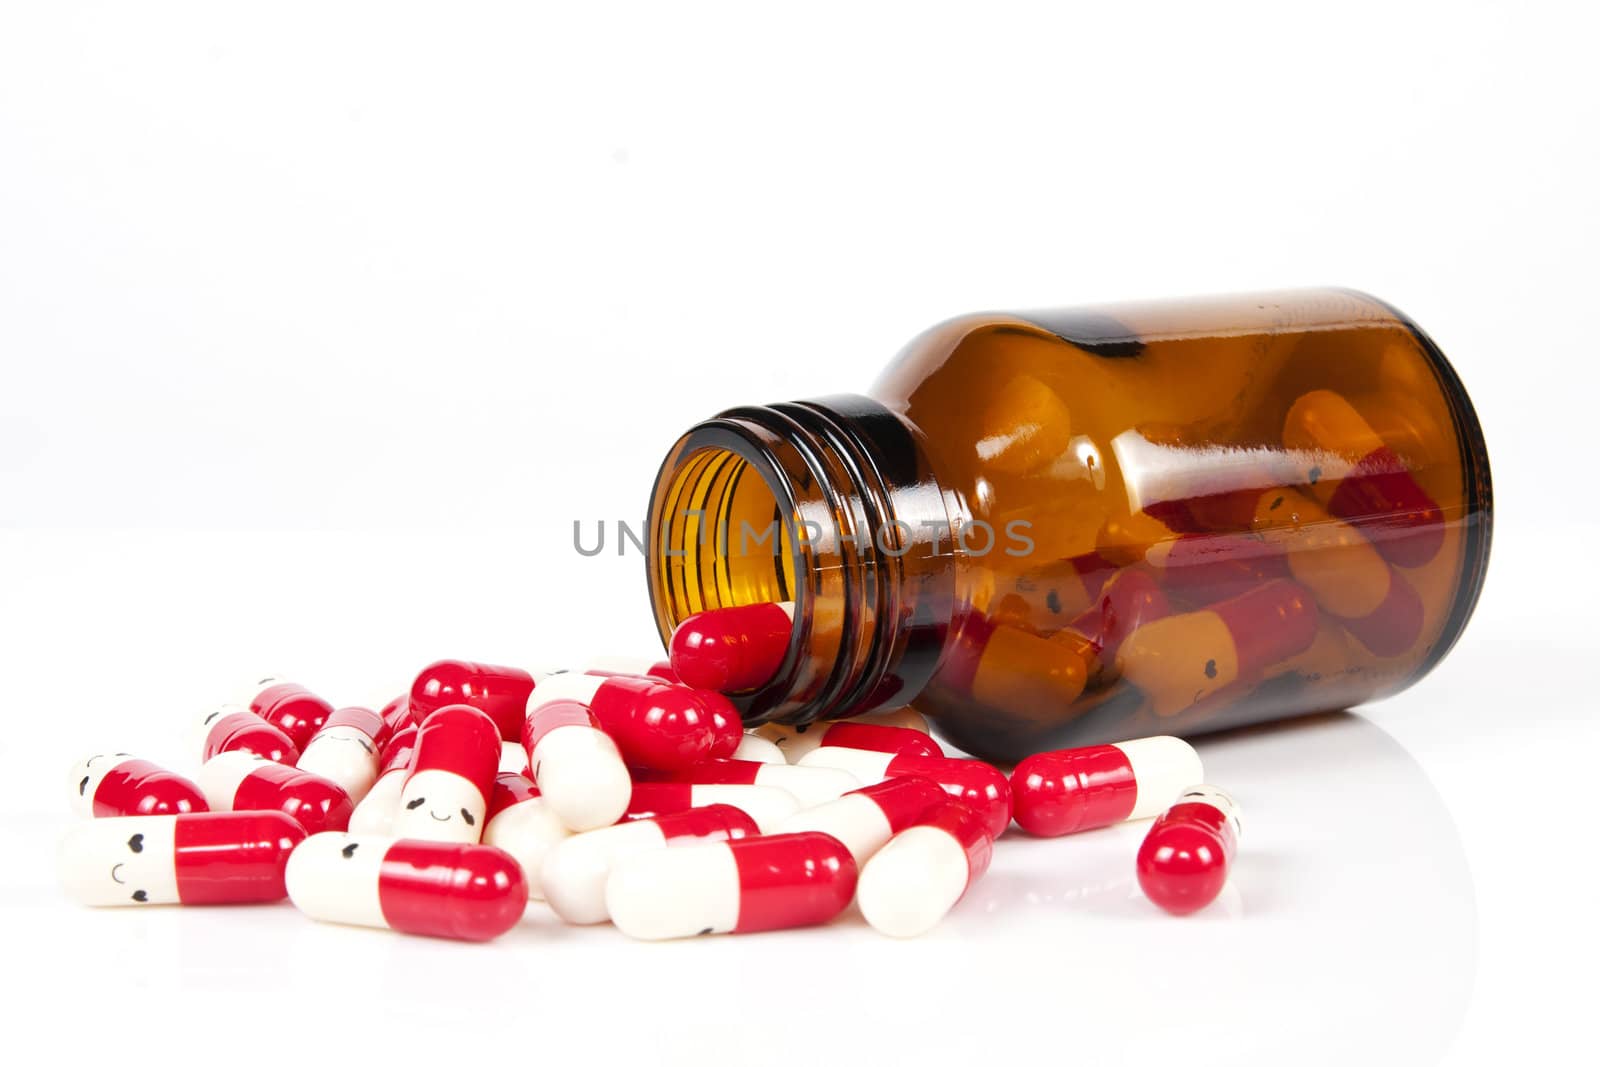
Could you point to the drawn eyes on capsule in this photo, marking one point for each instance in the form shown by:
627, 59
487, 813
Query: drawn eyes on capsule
417, 803
349, 850
83, 785
136, 843
467, 815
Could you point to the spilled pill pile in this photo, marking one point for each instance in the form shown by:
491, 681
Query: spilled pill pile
483, 787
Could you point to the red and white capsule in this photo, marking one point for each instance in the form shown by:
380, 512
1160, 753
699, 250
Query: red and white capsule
200, 858
766, 805
433, 888
757, 749
294, 709
240, 781
446, 791
235, 728
874, 738
574, 873
499, 692
575, 764
809, 785
375, 812
1184, 860
865, 819
345, 750
119, 784
743, 886
913, 881
654, 724
972, 782
1076, 789
732, 649
521, 822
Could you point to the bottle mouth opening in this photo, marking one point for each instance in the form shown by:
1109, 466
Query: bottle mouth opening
828, 505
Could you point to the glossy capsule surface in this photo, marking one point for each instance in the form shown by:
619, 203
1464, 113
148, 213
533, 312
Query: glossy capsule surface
499, 692
1076, 789
727, 728
521, 822
453, 766
732, 649
433, 888
200, 858
374, 813
1184, 860
743, 886
235, 728
119, 784
292, 708
809, 785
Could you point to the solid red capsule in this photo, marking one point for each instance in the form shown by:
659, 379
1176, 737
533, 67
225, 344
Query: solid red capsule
432, 888
973, 782
654, 724
743, 886
200, 858
294, 709
1076, 789
1184, 860
120, 785
239, 781
732, 649
235, 728
499, 692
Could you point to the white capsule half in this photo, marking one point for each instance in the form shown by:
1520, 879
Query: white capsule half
528, 830
582, 776
866, 765
440, 805
334, 877
913, 882
809, 785
220, 776
375, 814
513, 758
675, 892
1162, 768
125, 860
758, 749
575, 871
345, 756
853, 820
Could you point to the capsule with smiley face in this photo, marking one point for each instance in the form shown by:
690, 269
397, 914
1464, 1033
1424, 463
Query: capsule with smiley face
345, 750
294, 709
446, 792
239, 781
119, 785
235, 728
236, 857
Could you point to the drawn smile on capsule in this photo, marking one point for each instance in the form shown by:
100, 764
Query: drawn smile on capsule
436, 818
115, 877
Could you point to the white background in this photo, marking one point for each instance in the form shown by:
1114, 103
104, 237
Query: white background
320, 324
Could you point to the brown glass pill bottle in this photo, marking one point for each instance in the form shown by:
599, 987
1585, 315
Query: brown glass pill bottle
1067, 527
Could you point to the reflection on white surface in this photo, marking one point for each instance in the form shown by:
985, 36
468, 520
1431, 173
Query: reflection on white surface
1349, 914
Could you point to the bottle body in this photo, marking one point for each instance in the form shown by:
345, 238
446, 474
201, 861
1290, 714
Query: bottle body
1071, 527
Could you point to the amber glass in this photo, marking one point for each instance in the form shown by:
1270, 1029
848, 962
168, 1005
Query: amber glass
1066, 527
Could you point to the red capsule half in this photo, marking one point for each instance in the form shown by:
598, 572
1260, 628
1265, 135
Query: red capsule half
235, 728
654, 724
120, 785
973, 782
499, 692
732, 649
1076, 789
294, 709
